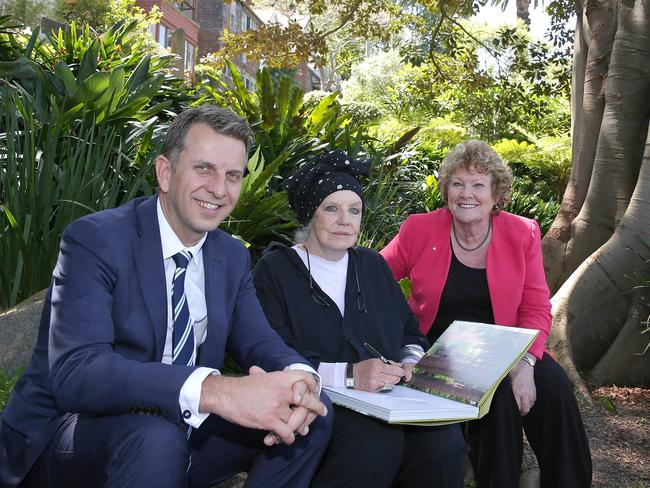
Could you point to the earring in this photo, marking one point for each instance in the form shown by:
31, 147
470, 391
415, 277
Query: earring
495, 207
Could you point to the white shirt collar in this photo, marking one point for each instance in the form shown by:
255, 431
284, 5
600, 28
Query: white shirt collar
171, 244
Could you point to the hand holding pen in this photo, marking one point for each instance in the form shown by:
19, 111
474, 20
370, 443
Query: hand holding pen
378, 374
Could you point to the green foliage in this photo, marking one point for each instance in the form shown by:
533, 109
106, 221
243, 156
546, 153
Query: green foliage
281, 119
261, 216
609, 404
7, 384
386, 82
400, 184
532, 205
385, 207
287, 131
127, 11
78, 122
361, 113
440, 133
510, 89
313, 98
548, 159
90, 12
27, 12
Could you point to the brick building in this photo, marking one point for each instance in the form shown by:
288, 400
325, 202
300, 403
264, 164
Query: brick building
193, 28
178, 29
236, 16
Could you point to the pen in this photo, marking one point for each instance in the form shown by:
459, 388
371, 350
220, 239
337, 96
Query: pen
376, 353
381, 357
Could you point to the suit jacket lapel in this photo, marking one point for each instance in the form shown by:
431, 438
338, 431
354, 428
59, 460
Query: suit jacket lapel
214, 268
147, 252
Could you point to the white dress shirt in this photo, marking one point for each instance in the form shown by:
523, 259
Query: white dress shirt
190, 394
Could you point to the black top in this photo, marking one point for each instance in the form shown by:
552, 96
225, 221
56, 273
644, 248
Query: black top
466, 296
319, 332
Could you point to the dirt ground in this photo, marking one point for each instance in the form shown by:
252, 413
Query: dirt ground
618, 427
619, 434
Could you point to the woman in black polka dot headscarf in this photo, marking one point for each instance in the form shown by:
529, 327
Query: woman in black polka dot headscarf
327, 298
320, 177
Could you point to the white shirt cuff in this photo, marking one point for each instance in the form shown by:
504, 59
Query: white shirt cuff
412, 353
309, 369
333, 374
190, 397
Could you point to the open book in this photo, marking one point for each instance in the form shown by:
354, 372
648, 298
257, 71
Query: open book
453, 382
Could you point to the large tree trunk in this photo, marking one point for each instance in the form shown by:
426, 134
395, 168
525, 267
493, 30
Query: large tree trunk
595, 29
597, 312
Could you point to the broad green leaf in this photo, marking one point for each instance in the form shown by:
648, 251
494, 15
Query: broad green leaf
267, 100
32, 42
88, 65
139, 75
64, 74
284, 90
321, 115
92, 88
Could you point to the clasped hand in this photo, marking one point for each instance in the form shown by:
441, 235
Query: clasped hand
374, 375
284, 403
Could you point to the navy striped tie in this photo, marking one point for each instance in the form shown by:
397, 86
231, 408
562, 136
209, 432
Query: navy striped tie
183, 351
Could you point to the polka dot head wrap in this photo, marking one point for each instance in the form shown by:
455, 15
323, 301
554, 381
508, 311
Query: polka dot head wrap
320, 177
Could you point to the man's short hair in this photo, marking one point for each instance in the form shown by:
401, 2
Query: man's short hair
223, 121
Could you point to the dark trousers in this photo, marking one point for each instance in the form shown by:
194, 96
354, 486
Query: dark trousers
149, 451
365, 452
553, 428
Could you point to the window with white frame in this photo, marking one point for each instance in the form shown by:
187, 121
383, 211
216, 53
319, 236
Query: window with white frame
164, 36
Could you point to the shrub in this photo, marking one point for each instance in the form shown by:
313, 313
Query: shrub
314, 97
545, 163
79, 118
531, 205
361, 113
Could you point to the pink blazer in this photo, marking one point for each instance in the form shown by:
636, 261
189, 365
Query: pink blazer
421, 251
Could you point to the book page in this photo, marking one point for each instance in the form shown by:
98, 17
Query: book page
401, 404
468, 360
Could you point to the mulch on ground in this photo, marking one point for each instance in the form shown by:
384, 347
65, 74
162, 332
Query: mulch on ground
618, 427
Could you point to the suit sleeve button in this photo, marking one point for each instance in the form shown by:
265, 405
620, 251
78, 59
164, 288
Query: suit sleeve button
186, 414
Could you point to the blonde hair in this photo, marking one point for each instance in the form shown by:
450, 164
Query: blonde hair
478, 155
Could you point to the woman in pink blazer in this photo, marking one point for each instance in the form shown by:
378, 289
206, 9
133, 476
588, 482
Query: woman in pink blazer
473, 261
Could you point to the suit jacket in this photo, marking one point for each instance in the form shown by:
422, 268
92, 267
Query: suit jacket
103, 329
421, 251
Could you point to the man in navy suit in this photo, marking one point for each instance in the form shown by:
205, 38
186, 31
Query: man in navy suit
104, 400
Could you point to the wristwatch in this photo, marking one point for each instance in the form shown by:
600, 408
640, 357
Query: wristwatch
349, 375
530, 359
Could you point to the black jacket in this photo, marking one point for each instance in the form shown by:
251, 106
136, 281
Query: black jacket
375, 310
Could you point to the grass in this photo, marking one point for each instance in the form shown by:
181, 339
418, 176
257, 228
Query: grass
7, 383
